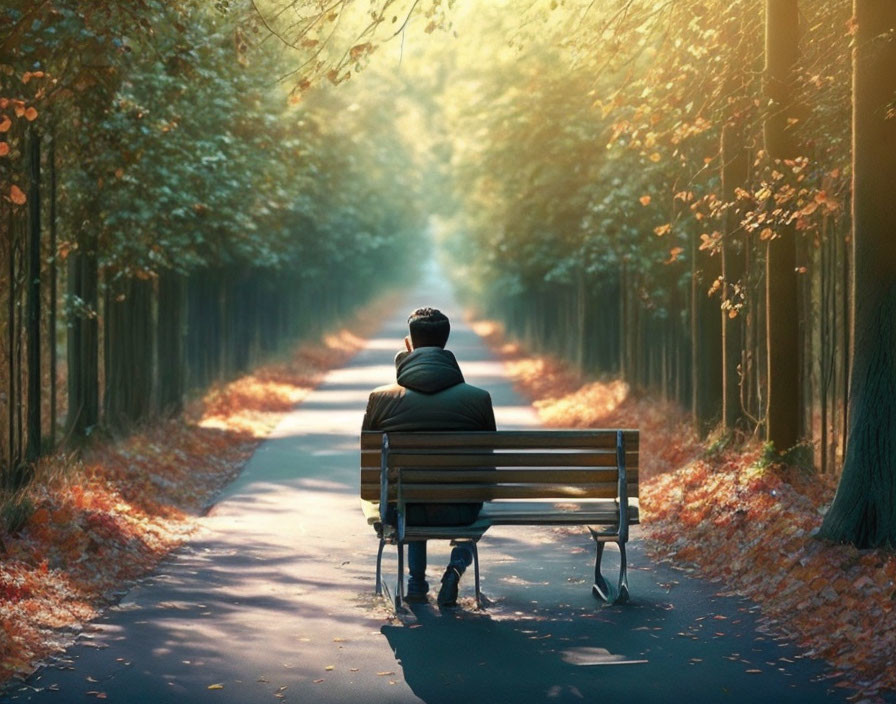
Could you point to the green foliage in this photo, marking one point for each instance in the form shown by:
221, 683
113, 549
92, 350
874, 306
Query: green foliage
15, 510
798, 457
180, 150
718, 441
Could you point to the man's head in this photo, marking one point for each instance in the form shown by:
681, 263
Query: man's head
429, 328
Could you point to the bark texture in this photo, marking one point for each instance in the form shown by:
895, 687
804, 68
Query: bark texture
782, 310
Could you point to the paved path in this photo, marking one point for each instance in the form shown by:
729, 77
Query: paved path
272, 599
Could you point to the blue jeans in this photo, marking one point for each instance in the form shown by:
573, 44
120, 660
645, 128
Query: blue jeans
461, 557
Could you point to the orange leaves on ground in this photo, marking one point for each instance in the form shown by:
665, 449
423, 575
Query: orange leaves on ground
4, 148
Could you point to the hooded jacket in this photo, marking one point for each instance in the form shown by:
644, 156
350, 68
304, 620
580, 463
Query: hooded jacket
431, 394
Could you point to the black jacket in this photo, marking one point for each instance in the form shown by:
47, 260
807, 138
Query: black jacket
431, 394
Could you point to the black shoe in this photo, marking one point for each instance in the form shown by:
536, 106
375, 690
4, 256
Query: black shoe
448, 592
416, 597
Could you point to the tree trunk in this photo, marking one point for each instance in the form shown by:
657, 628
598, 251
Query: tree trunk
864, 509
782, 310
128, 358
735, 166
170, 343
32, 443
13, 451
51, 163
706, 334
83, 337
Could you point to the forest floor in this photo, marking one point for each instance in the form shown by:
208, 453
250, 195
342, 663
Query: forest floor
737, 517
75, 540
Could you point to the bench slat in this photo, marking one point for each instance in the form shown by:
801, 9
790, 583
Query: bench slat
516, 439
371, 460
519, 513
372, 493
559, 474
486, 475
465, 493
524, 513
505, 459
582, 512
370, 478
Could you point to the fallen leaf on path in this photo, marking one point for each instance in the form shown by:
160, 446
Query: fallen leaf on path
216, 686
383, 674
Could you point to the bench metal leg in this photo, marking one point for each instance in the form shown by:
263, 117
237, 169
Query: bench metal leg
399, 588
475, 549
601, 589
622, 595
379, 568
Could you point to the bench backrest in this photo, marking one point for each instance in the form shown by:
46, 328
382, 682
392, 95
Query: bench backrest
462, 467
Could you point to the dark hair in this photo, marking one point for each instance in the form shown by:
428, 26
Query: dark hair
429, 328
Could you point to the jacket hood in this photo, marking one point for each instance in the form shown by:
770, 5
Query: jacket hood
429, 370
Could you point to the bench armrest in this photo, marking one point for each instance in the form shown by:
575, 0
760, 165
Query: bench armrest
384, 480
623, 486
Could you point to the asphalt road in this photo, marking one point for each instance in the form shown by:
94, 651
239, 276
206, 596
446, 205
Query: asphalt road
273, 598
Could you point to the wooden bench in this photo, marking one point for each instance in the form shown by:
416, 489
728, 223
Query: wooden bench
531, 477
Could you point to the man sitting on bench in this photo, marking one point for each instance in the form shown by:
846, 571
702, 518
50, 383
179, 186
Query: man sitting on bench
431, 395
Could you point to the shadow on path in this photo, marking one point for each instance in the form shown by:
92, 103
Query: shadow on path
543, 641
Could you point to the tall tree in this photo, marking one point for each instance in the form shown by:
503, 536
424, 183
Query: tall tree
782, 341
32, 446
864, 509
733, 173
83, 336
706, 333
